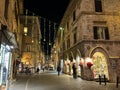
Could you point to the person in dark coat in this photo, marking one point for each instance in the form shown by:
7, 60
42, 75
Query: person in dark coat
58, 70
74, 71
38, 70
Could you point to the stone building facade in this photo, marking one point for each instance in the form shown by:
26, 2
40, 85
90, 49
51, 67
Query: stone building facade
91, 39
31, 50
9, 39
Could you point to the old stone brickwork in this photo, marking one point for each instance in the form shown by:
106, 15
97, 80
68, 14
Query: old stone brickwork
82, 19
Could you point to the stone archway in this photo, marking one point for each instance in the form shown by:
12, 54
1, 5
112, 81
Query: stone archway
78, 59
100, 66
100, 62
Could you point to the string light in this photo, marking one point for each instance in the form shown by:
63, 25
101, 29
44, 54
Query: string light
49, 33
44, 29
25, 27
42, 17
33, 29
54, 31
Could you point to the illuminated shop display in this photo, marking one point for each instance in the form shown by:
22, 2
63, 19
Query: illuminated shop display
100, 66
5, 59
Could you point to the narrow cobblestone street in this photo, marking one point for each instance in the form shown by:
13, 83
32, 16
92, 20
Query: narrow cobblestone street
49, 80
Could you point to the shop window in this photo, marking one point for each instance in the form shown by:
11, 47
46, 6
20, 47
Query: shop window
101, 33
100, 65
98, 5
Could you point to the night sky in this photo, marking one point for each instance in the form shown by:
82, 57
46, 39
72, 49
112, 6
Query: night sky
50, 10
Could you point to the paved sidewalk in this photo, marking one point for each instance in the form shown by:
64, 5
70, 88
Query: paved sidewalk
49, 80
112, 86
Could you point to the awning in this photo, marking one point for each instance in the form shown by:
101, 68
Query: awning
8, 37
12, 39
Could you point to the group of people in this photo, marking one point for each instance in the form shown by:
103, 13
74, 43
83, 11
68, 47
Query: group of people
59, 70
26, 70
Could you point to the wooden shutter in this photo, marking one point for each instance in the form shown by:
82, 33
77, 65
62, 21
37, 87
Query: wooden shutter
95, 32
106, 34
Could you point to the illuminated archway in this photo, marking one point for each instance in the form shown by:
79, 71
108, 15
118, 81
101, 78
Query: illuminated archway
100, 66
78, 59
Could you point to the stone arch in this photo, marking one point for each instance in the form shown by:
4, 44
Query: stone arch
66, 56
79, 53
100, 59
100, 49
72, 54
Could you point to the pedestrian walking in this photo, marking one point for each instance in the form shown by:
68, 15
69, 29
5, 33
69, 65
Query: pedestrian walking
74, 71
58, 70
38, 70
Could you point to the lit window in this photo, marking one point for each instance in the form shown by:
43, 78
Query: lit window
101, 33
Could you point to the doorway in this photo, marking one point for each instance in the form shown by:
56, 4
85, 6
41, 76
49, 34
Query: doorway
100, 66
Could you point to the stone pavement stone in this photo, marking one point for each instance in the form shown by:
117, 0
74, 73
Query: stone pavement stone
49, 80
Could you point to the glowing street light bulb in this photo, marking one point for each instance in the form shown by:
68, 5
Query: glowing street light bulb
32, 41
25, 30
61, 28
49, 43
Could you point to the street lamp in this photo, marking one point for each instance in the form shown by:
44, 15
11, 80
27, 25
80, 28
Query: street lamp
44, 31
61, 30
61, 40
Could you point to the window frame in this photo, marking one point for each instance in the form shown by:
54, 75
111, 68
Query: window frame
101, 32
98, 3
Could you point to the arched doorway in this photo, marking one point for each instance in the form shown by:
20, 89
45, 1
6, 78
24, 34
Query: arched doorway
100, 66
78, 59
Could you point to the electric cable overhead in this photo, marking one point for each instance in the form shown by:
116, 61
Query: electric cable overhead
48, 31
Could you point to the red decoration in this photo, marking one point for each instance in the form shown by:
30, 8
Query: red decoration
89, 64
68, 64
81, 64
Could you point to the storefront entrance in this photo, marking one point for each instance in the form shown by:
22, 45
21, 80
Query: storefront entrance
5, 63
100, 66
